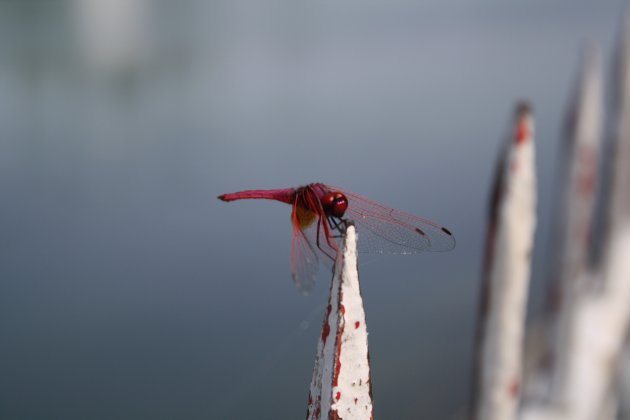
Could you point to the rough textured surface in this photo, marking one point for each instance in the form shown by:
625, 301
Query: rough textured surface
341, 385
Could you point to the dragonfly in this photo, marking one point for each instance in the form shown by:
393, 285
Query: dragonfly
320, 214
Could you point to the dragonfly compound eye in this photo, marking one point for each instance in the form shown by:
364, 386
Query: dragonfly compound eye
339, 205
335, 204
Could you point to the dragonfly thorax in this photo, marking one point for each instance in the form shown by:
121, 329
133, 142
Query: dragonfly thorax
334, 204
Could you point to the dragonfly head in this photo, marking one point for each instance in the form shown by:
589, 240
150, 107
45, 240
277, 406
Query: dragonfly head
334, 203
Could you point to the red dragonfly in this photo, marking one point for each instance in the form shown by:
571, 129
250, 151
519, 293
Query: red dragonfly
319, 215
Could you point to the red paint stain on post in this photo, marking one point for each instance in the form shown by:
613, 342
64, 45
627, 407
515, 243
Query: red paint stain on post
338, 347
326, 328
337, 367
356, 324
522, 132
514, 388
338, 396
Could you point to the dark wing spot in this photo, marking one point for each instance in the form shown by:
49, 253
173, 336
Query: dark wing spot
418, 230
448, 232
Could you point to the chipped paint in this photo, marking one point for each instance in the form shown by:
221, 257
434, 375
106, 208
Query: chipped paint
326, 327
341, 385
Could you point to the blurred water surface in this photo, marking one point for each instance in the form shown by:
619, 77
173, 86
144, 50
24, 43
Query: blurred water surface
128, 291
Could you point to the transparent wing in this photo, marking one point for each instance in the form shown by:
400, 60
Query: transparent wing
388, 231
304, 261
310, 241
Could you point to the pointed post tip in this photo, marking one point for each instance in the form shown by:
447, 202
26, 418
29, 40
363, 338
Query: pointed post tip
523, 108
524, 126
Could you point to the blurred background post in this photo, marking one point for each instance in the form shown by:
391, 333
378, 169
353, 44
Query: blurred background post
505, 281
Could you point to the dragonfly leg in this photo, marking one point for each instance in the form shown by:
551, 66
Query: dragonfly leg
319, 228
338, 225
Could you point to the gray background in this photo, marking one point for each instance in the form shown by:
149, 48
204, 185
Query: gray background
128, 291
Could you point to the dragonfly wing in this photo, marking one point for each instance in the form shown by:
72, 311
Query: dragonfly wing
386, 230
304, 260
310, 241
